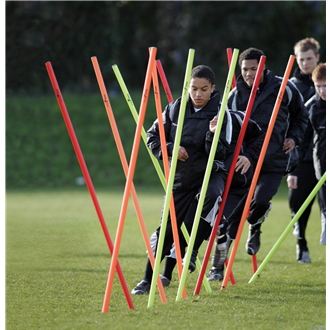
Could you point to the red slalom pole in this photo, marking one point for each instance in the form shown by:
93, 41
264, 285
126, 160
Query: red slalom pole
125, 168
86, 175
164, 81
258, 167
230, 176
136, 144
229, 56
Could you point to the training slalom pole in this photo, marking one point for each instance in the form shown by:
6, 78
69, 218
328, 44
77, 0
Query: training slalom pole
258, 168
154, 160
207, 174
164, 81
86, 175
125, 167
175, 152
231, 174
167, 171
136, 116
183, 226
289, 227
229, 57
136, 144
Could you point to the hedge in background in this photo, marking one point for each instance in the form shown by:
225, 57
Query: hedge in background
39, 151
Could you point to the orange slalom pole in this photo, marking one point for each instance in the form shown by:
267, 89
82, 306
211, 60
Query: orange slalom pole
258, 168
167, 173
230, 55
164, 81
136, 144
86, 175
125, 167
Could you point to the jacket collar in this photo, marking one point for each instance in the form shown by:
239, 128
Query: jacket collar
304, 78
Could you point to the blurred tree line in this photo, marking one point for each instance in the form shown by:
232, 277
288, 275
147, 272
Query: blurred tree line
69, 33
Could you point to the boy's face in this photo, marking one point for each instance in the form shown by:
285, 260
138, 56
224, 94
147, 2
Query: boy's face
200, 90
320, 87
249, 71
307, 61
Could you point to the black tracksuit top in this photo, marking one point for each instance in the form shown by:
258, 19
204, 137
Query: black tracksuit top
291, 120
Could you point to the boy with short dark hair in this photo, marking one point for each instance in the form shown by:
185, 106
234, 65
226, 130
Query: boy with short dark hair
198, 129
280, 157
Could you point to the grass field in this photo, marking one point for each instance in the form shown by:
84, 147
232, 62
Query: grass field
57, 264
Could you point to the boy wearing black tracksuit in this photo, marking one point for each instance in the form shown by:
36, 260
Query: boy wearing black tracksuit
316, 131
198, 129
241, 180
307, 53
281, 155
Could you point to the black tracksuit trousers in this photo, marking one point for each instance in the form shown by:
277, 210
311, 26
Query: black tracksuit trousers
306, 183
183, 201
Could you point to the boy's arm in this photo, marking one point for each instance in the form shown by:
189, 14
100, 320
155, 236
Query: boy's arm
253, 140
298, 116
223, 145
153, 137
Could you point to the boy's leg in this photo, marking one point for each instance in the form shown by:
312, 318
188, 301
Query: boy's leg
227, 233
267, 186
182, 201
322, 202
208, 215
306, 183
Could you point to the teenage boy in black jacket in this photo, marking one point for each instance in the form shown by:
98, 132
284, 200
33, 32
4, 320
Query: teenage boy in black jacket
316, 130
281, 155
197, 135
241, 181
307, 53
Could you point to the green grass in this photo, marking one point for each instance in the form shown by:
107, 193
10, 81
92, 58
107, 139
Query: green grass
57, 264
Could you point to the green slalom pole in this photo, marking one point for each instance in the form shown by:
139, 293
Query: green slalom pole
175, 153
136, 117
207, 174
289, 228
154, 160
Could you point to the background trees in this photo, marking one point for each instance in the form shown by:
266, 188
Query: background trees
69, 33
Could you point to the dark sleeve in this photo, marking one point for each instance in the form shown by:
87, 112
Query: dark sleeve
253, 140
222, 146
153, 136
298, 116
303, 146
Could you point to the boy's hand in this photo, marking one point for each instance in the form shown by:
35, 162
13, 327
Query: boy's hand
182, 155
292, 181
288, 145
213, 124
242, 163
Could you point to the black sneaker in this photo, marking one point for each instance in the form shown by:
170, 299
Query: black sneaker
192, 263
253, 241
302, 254
215, 274
220, 253
142, 288
165, 280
